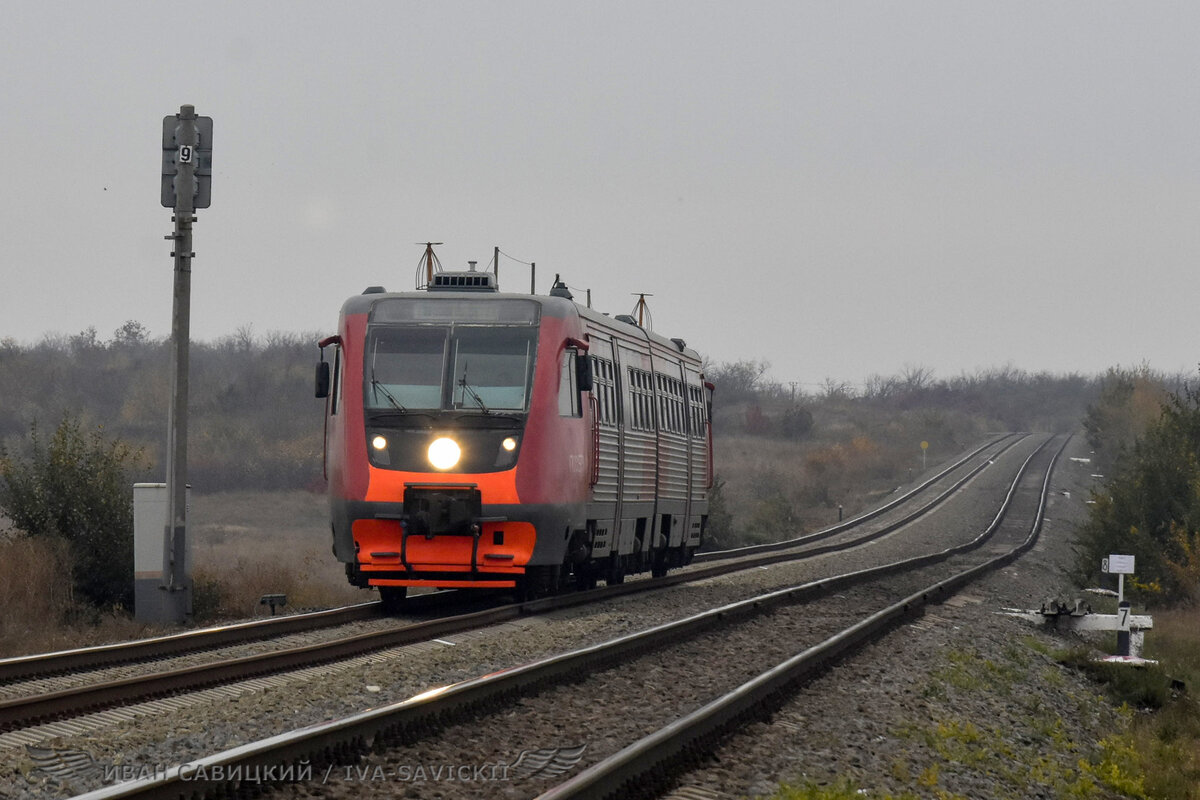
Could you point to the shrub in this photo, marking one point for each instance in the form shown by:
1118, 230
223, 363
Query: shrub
719, 532
78, 487
1150, 507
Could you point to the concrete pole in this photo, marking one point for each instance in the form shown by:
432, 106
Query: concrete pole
177, 600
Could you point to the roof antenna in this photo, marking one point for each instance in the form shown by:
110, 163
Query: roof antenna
428, 260
643, 311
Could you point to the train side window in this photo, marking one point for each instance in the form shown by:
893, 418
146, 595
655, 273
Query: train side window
677, 406
568, 387
335, 393
641, 397
631, 394
670, 405
673, 385
638, 412
612, 409
604, 390
680, 409
646, 394
697, 415
614, 406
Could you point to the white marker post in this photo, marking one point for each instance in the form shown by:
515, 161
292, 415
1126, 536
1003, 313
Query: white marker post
1121, 566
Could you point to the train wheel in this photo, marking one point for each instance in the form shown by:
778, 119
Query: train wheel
392, 598
539, 582
658, 566
616, 571
585, 579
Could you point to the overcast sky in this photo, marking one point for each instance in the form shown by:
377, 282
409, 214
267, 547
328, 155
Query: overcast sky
840, 189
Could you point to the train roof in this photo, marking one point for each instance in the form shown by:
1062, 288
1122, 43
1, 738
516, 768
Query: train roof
558, 306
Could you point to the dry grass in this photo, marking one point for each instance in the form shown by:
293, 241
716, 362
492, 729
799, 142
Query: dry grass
1168, 741
776, 488
37, 611
247, 544
244, 545
1163, 738
31, 586
1176, 640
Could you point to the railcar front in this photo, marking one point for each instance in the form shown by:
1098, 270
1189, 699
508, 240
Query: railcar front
455, 438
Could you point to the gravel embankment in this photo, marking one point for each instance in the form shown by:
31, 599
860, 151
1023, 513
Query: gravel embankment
965, 702
287, 702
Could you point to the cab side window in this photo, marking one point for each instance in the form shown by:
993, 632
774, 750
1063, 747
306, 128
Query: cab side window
568, 386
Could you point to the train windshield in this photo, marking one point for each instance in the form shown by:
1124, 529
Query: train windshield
479, 368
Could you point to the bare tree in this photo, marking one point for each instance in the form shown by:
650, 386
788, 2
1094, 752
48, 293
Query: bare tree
916, 378
833, 389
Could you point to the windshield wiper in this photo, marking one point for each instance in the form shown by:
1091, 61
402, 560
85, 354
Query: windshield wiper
474, 395
379, 387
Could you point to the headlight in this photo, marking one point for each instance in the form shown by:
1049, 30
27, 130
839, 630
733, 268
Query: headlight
509, 443
379, 453
444, 453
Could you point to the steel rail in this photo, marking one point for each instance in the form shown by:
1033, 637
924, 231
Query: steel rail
649, 766
22, 711
327, 743
87, 658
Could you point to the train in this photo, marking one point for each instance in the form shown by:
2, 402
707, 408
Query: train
482, 439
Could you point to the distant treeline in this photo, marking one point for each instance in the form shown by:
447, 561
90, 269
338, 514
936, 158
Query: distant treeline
1003, 398
254, 423
253, 420
788, 460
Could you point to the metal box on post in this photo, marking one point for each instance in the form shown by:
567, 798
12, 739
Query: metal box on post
150, 601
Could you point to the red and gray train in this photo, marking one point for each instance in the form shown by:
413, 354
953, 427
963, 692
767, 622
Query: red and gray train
475, 438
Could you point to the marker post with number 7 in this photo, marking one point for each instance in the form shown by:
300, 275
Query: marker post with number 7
1121, 565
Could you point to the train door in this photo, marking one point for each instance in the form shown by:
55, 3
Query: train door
639, 450
673, 456
604, 502
699, 455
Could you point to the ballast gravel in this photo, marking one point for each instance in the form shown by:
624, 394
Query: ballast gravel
964, 703
895, 689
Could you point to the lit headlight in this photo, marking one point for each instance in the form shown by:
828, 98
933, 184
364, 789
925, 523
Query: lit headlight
444, 453
509, 443
380, 455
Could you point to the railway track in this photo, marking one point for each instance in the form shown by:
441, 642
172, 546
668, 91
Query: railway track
162, 647
418, 719
652, 764
38, 699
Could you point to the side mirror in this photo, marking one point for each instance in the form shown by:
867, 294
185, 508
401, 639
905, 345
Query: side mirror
583, 372
322, 379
